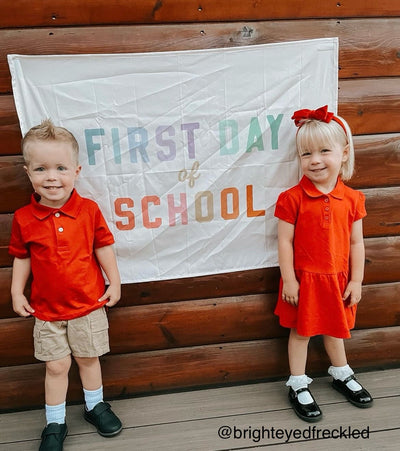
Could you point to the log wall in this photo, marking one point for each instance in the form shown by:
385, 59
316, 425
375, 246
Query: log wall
216, 329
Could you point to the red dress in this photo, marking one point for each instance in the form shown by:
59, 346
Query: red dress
321, 244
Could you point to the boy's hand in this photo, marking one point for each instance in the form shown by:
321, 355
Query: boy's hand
353, 293
21, 306
113, 294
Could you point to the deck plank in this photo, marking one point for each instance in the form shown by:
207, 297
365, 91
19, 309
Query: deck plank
191, 420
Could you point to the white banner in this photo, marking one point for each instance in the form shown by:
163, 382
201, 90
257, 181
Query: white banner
185, 152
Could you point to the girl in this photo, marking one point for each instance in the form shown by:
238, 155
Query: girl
321, 257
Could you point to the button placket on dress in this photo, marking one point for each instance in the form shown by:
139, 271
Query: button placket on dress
326, 213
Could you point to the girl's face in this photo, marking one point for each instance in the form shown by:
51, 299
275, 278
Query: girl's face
52, 170
322, 164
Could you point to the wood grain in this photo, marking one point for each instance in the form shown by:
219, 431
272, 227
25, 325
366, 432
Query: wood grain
370, 52
202, 366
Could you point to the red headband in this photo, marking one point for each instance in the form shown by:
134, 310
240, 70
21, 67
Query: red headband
321, 114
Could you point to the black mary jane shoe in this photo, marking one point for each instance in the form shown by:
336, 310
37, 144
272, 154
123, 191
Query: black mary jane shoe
53, 436
360, 398
307, 412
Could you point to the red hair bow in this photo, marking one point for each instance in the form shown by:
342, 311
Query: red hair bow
321, 114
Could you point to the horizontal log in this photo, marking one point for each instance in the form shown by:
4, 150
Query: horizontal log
24, 13
382, 266
377, 161
196, 323
378, 112
367, 47
195, 367
383, 216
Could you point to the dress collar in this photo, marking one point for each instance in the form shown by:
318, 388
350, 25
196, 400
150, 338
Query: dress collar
70, 208
310, 189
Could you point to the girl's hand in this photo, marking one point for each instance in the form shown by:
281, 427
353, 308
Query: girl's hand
113, 294
353, 293
21, 306
290, 292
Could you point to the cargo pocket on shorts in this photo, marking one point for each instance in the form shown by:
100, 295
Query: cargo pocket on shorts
37, 336
99, 328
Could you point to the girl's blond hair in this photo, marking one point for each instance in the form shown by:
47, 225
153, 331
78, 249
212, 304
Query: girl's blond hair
313, 132
47, 131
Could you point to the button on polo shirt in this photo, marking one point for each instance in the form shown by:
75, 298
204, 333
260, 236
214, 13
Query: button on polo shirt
67, 280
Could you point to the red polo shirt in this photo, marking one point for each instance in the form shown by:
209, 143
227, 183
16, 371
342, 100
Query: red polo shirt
67, 279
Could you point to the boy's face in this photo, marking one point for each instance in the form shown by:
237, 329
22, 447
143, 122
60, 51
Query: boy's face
52, 170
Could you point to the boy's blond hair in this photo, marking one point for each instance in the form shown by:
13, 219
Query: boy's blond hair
47, 131
318, 133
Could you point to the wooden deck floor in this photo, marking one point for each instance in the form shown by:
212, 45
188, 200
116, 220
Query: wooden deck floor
256, 416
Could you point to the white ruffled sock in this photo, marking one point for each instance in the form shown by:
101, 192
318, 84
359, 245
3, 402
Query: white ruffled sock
343, 372
297, 382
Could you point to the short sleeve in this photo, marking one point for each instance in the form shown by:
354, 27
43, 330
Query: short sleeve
287, 208
360, 207
17, 247
103, 236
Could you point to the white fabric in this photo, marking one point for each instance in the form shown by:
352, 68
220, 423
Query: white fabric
297, 382
185, 152
343, 372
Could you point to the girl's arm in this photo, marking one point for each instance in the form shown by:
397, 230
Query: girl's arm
106, 257
20, 275
357, 261
290, 291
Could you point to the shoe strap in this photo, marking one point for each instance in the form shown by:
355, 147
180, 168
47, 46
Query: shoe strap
301, 390
53, 429
350, 378
100, 408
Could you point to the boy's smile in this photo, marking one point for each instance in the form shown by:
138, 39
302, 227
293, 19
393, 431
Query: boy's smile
52, 169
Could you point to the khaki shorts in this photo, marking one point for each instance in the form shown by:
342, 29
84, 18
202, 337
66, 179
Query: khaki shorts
86, 336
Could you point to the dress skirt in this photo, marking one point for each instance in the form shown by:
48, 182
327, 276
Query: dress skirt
321, 309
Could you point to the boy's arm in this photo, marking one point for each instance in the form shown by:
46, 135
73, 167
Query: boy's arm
290, 290
357, 261
20, 275
106, 257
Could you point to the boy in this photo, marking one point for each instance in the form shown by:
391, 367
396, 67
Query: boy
64, 241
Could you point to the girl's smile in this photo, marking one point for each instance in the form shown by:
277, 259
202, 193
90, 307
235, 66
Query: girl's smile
322, 165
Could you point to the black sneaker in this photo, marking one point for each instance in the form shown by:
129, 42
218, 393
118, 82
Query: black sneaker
105, 420
53, 436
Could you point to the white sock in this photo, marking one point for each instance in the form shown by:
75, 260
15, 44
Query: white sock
343, 372
55, 414
297, 382
93, 397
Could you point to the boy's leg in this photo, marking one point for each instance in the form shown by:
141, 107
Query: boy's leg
56, 386
56, 381
96, 411
90, 373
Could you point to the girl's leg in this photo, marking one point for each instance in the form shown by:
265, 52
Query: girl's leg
297, 349
343, 376
336, 351
299, 396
